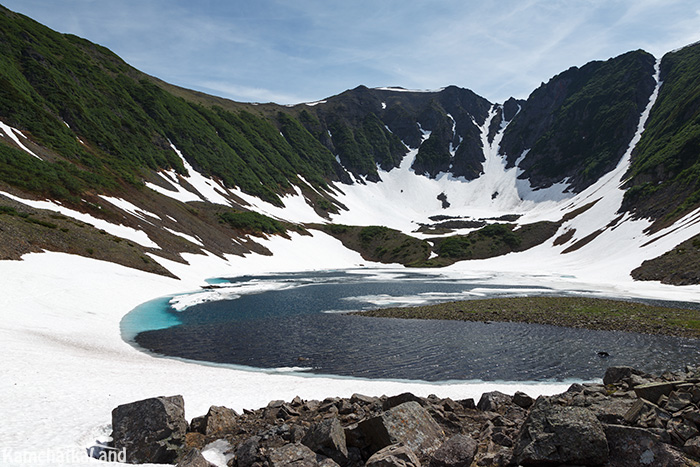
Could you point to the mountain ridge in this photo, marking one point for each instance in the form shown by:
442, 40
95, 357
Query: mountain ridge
81, 127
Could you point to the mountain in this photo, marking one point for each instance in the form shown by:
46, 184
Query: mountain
101, 160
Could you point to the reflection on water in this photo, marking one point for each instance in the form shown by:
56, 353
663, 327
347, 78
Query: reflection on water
291, 327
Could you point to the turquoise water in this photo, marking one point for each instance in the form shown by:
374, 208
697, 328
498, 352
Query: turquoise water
301, 324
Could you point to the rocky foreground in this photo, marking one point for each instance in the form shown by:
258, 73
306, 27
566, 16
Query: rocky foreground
632, 419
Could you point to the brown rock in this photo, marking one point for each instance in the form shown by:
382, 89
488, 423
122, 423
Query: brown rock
394, 456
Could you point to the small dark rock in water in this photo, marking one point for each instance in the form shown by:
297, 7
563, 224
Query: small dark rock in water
603, 354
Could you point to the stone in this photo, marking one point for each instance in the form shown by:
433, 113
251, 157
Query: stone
151, 431
681, 430
393, 456
617, 374
248, 453
408, 423
554, 434
492, 401
363, 400
194, 458
292, 455
647, 415
692, 446
455, 452
637, 447
328, 438
523, 400
217, 420
678, 401
653, 391
394, 401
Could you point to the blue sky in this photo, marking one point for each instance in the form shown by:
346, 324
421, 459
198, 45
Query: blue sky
291, 51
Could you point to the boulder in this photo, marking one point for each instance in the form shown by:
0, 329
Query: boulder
455, 452
393, 401
396, 455
217, 420
553, 434
408, 423
692, 447
523, 400
637, 447
292, 455
248, 453
151, 431
328, 438
492, 401
653, 391
194, 458
618, 374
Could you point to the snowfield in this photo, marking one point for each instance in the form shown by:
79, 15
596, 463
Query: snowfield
65, 365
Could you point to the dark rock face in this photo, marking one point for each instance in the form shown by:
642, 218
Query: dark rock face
579, 124
554, 434
588, 425
151, 430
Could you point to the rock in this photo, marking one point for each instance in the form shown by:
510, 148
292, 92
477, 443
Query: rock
217, 420
248, 453
554, 434
653, 391
363, 400
194, 458
455, 452
408, 423
637, 447
395, 455
328, 438
523, 400
692, 446
678, 401
492, 401
394, 401
681, 430
647, 415
151, 431
617, 374
292, 455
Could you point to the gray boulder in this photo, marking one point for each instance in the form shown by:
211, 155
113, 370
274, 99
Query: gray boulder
294, 455
194, 458
217, 420
554, 434
396, 455
493, 401
637, 447
455, 452
408, 423
328, 438
151, 430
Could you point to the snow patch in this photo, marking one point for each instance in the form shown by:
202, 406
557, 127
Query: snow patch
12, 133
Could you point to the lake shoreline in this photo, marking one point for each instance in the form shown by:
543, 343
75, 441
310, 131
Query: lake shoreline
574, 312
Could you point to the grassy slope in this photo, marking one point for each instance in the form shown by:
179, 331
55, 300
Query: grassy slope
665, 171
589, 313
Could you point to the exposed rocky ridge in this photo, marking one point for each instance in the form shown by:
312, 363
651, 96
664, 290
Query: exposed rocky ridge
578, 125
631, 419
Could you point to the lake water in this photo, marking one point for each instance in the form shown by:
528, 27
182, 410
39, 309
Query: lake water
295, 322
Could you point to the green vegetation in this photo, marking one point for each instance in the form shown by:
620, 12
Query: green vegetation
381, 244
252, 222
104, 124
665, 169
494, 240
580, 312
580, 123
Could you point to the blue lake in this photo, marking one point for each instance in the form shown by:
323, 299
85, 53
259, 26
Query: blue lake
296, 321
